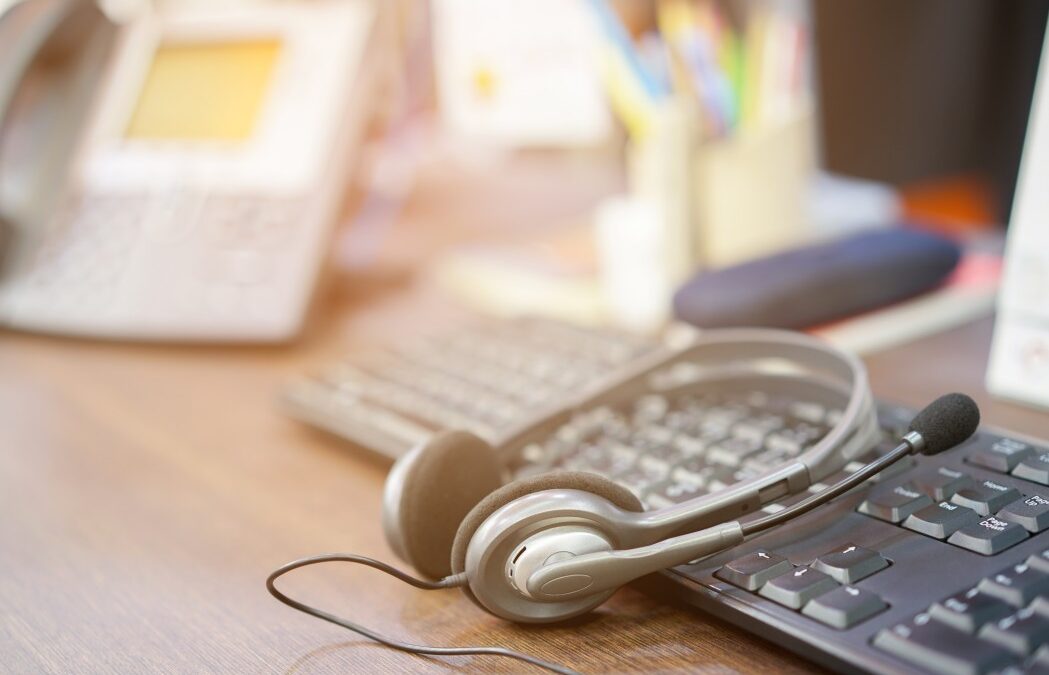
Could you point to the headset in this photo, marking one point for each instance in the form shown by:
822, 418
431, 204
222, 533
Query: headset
557, 545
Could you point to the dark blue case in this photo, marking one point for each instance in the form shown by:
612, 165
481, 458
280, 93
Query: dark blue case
819, 284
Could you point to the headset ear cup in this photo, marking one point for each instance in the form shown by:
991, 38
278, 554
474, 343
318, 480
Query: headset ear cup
557, 480
427, 497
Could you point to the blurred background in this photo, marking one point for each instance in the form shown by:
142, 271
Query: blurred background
184, 171
391, 218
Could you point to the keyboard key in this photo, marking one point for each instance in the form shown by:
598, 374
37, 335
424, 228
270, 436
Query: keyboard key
1017, 585
893, 504
850, 563
844, 607
970, 610
796, 588
754, 569
595, 457
989, 536
985, 497
810, 412
1040, 605
673, 492
1034, 468
654, 469
933, 646
694, 471
1001, 456
1039, 561
1020, 633
732, 451
1040, 662
783, 445
751, 431
898, 467
621, 457
940, 520
1031, 512
634, 479
942, 482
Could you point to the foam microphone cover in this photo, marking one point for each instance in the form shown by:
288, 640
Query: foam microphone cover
946, 422
819, 284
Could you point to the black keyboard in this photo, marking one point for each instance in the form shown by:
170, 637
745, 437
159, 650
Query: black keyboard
939, 564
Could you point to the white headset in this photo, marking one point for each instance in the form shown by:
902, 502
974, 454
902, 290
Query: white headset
554, 548
558, 544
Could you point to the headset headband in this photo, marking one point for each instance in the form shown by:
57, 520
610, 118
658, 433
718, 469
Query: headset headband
792, 359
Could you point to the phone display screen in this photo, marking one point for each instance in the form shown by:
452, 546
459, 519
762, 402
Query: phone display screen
204, 91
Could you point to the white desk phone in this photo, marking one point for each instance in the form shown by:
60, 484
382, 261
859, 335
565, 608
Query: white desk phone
175, 178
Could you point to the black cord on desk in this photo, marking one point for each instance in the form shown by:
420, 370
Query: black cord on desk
454, 581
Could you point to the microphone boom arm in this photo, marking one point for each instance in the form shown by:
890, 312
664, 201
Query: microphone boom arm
595, 572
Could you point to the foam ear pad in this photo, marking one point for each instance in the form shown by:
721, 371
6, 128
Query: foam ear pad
558, 480
453, 473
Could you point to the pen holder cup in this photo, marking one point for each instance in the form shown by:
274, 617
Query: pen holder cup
729, 199
751, 191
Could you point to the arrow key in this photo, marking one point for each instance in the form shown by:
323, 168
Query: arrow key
752, 570
934, 647
797, 587
850, 563
844, 607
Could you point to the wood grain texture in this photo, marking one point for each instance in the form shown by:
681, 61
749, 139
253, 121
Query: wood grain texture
147, 491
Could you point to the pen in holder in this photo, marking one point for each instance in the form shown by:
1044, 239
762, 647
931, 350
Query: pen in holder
720, 119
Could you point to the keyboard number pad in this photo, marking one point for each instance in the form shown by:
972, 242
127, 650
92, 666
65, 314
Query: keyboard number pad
1001, 623
1018, 458
933, 646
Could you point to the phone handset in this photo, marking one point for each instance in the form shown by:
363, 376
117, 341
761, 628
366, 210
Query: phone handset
59, 36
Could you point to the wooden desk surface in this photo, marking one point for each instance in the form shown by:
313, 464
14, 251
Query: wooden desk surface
147, 491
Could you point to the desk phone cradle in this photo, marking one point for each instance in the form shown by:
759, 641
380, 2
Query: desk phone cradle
709, 385
205, 225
